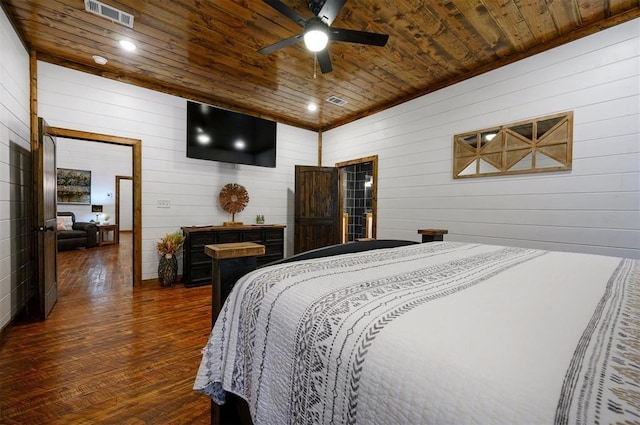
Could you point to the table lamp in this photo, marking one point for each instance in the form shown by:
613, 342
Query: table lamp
97, 209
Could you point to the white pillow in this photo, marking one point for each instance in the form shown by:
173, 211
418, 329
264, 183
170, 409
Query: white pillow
64, 223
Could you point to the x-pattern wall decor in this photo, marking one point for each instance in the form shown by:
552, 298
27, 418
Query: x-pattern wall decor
538, 145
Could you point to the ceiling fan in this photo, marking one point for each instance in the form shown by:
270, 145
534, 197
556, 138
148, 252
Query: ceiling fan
318, 32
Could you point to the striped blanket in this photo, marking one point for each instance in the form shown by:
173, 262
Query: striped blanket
432, 333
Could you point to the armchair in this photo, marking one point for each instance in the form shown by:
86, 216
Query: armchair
80, 235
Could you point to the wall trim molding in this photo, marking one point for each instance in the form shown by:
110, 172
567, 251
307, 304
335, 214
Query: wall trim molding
136, 166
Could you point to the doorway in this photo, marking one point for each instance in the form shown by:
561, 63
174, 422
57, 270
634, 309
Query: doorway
124, 205
136, 178
358, 179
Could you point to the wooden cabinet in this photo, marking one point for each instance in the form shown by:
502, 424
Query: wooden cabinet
196, 265
432, 235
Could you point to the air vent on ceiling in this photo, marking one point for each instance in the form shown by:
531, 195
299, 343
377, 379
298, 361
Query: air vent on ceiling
109, 12
336, 101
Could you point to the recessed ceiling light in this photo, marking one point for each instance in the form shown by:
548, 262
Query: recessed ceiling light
99, 60
312, 107
127, 45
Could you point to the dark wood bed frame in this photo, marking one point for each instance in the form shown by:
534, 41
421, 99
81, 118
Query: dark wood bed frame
236, 410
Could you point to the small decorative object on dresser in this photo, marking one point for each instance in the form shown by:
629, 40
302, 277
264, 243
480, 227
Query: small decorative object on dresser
233, 199
168, 247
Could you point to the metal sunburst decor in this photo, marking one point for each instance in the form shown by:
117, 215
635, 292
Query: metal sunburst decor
233, 199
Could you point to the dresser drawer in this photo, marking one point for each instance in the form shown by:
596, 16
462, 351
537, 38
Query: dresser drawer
196, 265
273, 234
202, 238
273, 250
198, 256
229, 237
201, 272
252, 236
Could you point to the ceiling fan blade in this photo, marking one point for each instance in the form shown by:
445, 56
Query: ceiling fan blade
330, 10
324, 60
287, 11
361, 37
280, 44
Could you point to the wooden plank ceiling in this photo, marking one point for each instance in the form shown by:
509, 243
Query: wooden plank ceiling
205, 50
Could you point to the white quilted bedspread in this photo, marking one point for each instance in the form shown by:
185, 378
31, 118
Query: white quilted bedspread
438, 333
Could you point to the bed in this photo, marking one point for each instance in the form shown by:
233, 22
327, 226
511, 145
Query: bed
437, 333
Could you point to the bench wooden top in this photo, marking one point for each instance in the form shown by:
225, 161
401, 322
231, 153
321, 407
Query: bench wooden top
221, 251
433, 232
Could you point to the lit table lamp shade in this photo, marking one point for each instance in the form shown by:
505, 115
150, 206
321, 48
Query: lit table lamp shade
97, 209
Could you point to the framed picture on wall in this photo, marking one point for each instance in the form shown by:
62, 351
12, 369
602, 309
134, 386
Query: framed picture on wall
74, 186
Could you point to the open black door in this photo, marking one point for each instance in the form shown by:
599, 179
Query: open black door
44, 219
318, 208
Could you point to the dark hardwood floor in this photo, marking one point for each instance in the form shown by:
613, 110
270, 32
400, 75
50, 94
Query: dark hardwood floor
108, 353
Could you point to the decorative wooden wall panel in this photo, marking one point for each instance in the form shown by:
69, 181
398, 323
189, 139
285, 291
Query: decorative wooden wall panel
534, 146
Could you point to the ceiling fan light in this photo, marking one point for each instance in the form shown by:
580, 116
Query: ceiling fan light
316, 40
316, 34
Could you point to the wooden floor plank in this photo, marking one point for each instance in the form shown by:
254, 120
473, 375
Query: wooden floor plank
108, 353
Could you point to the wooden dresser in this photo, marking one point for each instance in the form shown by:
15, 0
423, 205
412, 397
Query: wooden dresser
196, 265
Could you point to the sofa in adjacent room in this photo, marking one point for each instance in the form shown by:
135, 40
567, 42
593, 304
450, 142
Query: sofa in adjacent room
72, 234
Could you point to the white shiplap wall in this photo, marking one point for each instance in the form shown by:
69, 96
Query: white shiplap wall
79, 101
15, 174
593, 208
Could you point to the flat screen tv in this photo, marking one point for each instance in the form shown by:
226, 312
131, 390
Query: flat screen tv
220, 135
